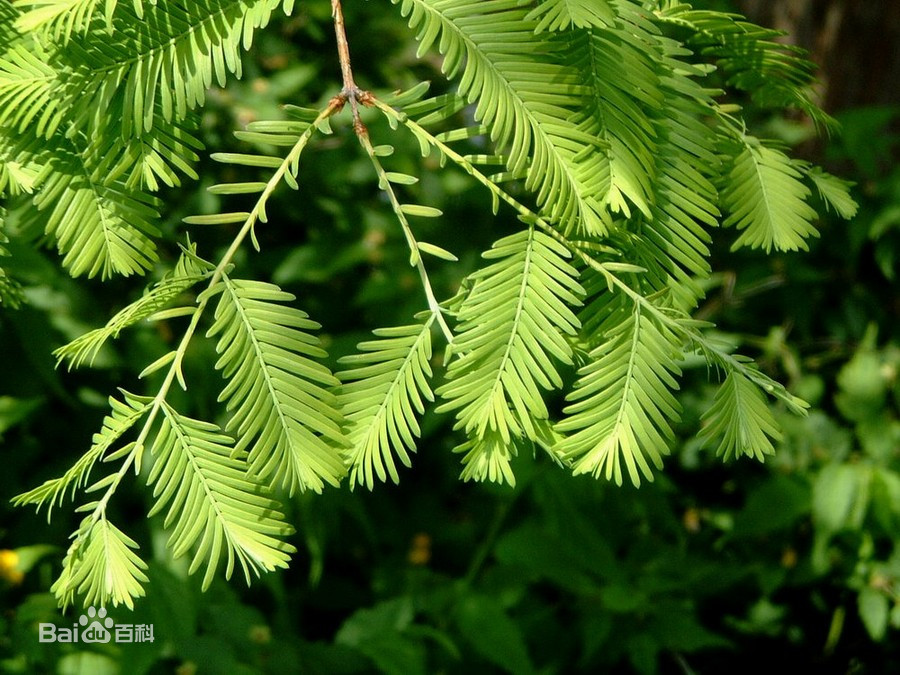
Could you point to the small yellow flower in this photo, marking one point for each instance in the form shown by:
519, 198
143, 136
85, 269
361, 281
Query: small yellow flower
9, 567
420, 551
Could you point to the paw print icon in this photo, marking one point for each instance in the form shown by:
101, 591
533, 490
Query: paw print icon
97, 625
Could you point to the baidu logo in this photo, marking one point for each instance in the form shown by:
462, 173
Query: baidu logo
95, 627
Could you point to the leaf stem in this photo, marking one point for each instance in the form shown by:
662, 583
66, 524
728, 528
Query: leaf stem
350, 92
489, 541
687, 329
420, 132
415, 256
202, 302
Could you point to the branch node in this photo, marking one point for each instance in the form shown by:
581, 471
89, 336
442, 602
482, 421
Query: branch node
336, 103
367, 98
350, 91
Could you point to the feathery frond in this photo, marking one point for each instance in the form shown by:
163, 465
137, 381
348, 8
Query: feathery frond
487, 458
619, 108
101, 565
834, 192
160, 156
60, 19
381, 395
27, 92
622, 405
526, 98
751, 58
124, 415
212, 503
766, 200
188, 271
278, 394
672, 243
160, 66
19, 171
740, 418
99, 225
150, 70
513, 325
719, 357
599, 107
556, 15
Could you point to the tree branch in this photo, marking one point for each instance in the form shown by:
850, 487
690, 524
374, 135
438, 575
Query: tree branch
350, 92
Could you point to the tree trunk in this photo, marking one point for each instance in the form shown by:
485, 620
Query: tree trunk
855, 42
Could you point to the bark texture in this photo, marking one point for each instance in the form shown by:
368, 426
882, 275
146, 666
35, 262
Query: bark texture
855, 42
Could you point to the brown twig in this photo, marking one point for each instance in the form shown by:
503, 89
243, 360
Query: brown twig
350, 92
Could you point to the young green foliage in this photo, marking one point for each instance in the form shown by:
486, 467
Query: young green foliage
622, 405
514, 327
278, 395
214, 504
767, 201
604, 114
381, 396
101, 566
125, 414
188, 271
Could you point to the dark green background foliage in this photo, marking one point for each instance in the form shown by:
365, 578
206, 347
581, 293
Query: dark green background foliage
712, 567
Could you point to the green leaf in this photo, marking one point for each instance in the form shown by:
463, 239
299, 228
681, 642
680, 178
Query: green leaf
874, 610
487, 457
63, 18
751, 58
163, 62
619, 111
421, 211
493, 49
886, 498
622, 405
188, 271
513, 325
401, 178
379, 633
535, 552
863, 385
741, 419
101, 565
436, 251
262, 161
101, 226
494, 636
125, 414
840, 496
26, 89
211, 503
672, 144
278, 392
767, 201
382, 396
776, 505
556, 15
160, 155
834, 192
237, 188
218, 218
